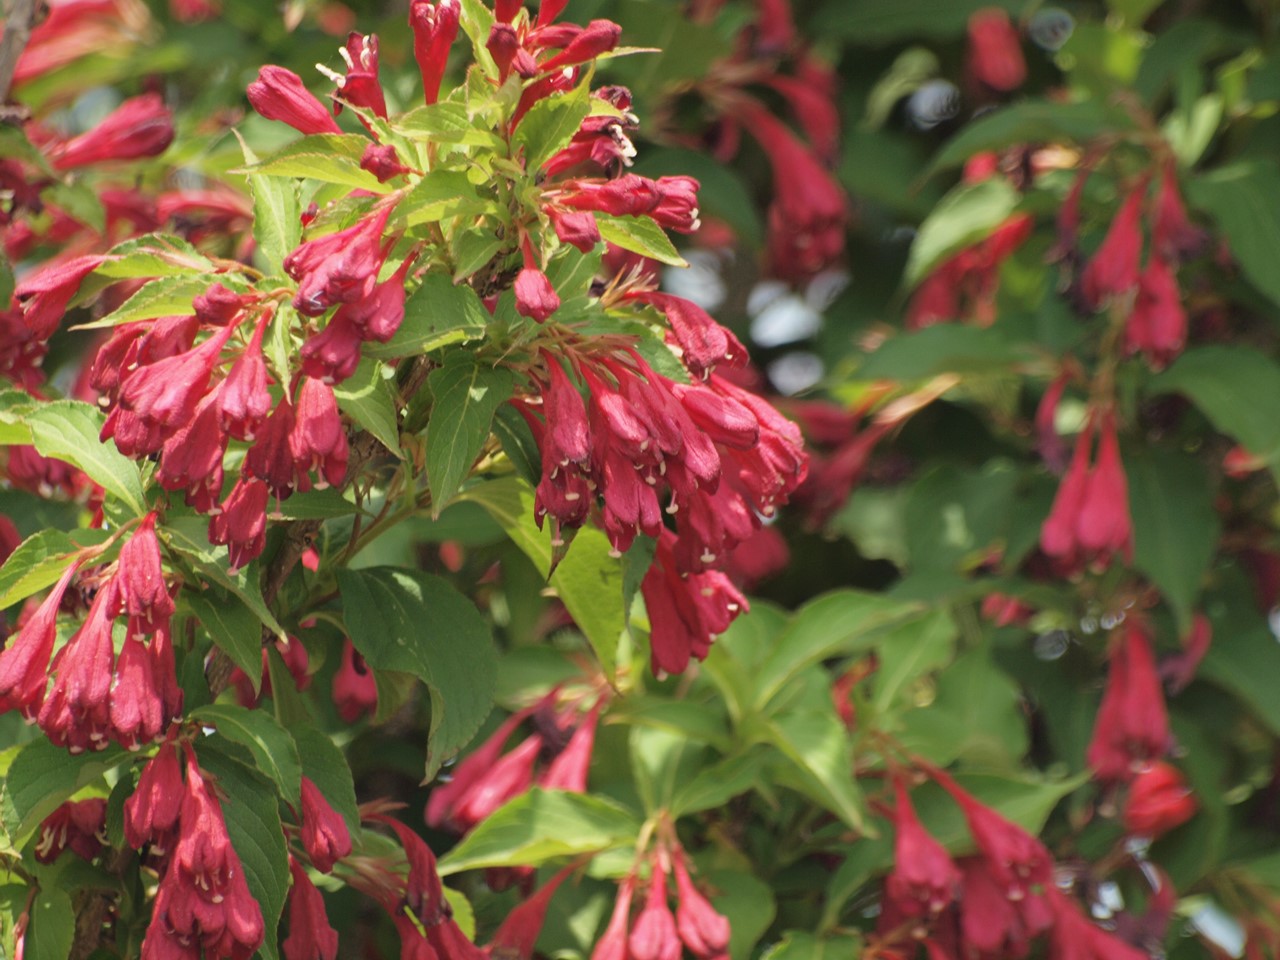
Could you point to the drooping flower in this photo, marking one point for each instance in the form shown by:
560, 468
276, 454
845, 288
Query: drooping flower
279, 94
76, 825
704, 930
139, 127
612, 944
1089, 521
1113, 270
42, 296
1132, 728
141, 578
151, 812
654, 935
924, 880
24, 664
1157, 324
76, 714
355, 691
318, 441
242, 523
516, 938
243, 400
339, 267
310, 935
325, 836
1159, 800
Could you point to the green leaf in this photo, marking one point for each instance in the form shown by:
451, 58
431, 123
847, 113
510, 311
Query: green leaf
188, 536
439, 195
466, 395
162, 297
472, 249
40, 560
640, 235
437, 314
965, 215
79, 200
910, 651
944, 348
715, 785
816, 743
588, 580
747, 902
316, 505
518, 443
153, 255
1244, 200
550, 124
412, 622
837, 623
53, 926
1237, 388
42, 776
14, 407
699, 722
1024, 799
325, 766
253, 822
368, 399
6, 281
273, 750
277, 226
1175, 525
68, 430
542, 825
1245, 662
796, 945
232, 626
330, 157
446, 123
1028, 121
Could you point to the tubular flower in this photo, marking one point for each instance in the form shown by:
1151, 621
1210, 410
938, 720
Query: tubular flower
140, 127
76, 713
516, 938
324, 833
435, 25
279, 94
76, 825
361, 86
355, 691
151, 812
703, 929
1113, 271
924, 880
243, 400
1157, 324
654, 935
995, 54
339, 267
241, 525
24, 664
310, 935
43, 295
1132, 728
612, 944
1089, 521
141, 578
1159, 800
445, 797
318, 442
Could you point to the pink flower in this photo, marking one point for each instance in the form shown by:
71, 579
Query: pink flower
509, 777
924, 880
445, 797
339, 267
568, 771
271, 459
324, 833
1113, 271
516, 938
1132, 727
279, 94
140, 127
597, 37
578, 229
703, 929
612, 944
703, 342
310, 935
654, 935
137, 708
141, 579
361, 86
1159, 800
191, 459
243, 399
152, 810
995, 53
163, 395
1157, 325
355, 691
43, 295
381, 160
24, 664
1173, 235
242, 523
333, 354
76, 713
76, 824
1089, 521
434, 25
318, 441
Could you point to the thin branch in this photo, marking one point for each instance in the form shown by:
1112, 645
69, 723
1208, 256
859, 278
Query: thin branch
17, 31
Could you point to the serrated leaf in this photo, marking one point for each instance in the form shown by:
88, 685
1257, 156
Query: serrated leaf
715, 785
232, 626
1237, 388
153, 255
472, 249
640, 235
435, 315
446, 123
325, 766
40, 560
162, 297
273, 750
315, 505
466, 395
518, 443
549, 126
329, 157
588, 581
367, 398
439, 195
42, 776
253, 824
412, 622
53, 925
966, 215
277, 226
68, 430
80, 201
542, 825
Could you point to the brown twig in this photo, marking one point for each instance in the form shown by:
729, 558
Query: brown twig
17, 31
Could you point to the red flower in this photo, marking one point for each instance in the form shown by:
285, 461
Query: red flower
703, 929
1075, 938
152, 811
577, 229
597, 37
446, 796
140, 127
995, 53
654, 935
516, 938
310, 935
24, 664
76, 713
141, 579
1113, 271
1159, 800
612, 944
243, 400
325, 836
355, 691
379, 315
43, 295
924, 880
242, 523
163, 395
993, 924
339, 267
535, 296
435, 25
191, 459
568, 771
137, 708
381, 160
318, 441
360, 87
703, 342
271, 459
509, 777
1157, 325
1173, 235
279, 94
76, 824
1089, 521
1132, 728
333, 354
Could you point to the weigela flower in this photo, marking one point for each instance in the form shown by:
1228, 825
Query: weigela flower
1074, 937
339, 267
361, 86
703, 342
279, 94
1089, 521
325, 836
271, 459
191, 459
597, 37
318, 441
612, 944
446, 796
24, 664
654, 935
992, 924
1159, 800
141, 579
536, 298
1113, 270
379, 315
77, 712
137, 709
217, 306
1173, 236
517, 937
43, 295
355, 691
241, 525
995, 53
509, 777
568, 771
703, 929
576, 228
243, 399
434, 25
151, 812
139, 127
1132, 728
333, 354
310, 935
1157, 324
381, 160
77, 825
924, 880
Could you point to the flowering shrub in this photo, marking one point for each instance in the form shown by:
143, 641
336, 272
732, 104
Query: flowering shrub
384, 496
